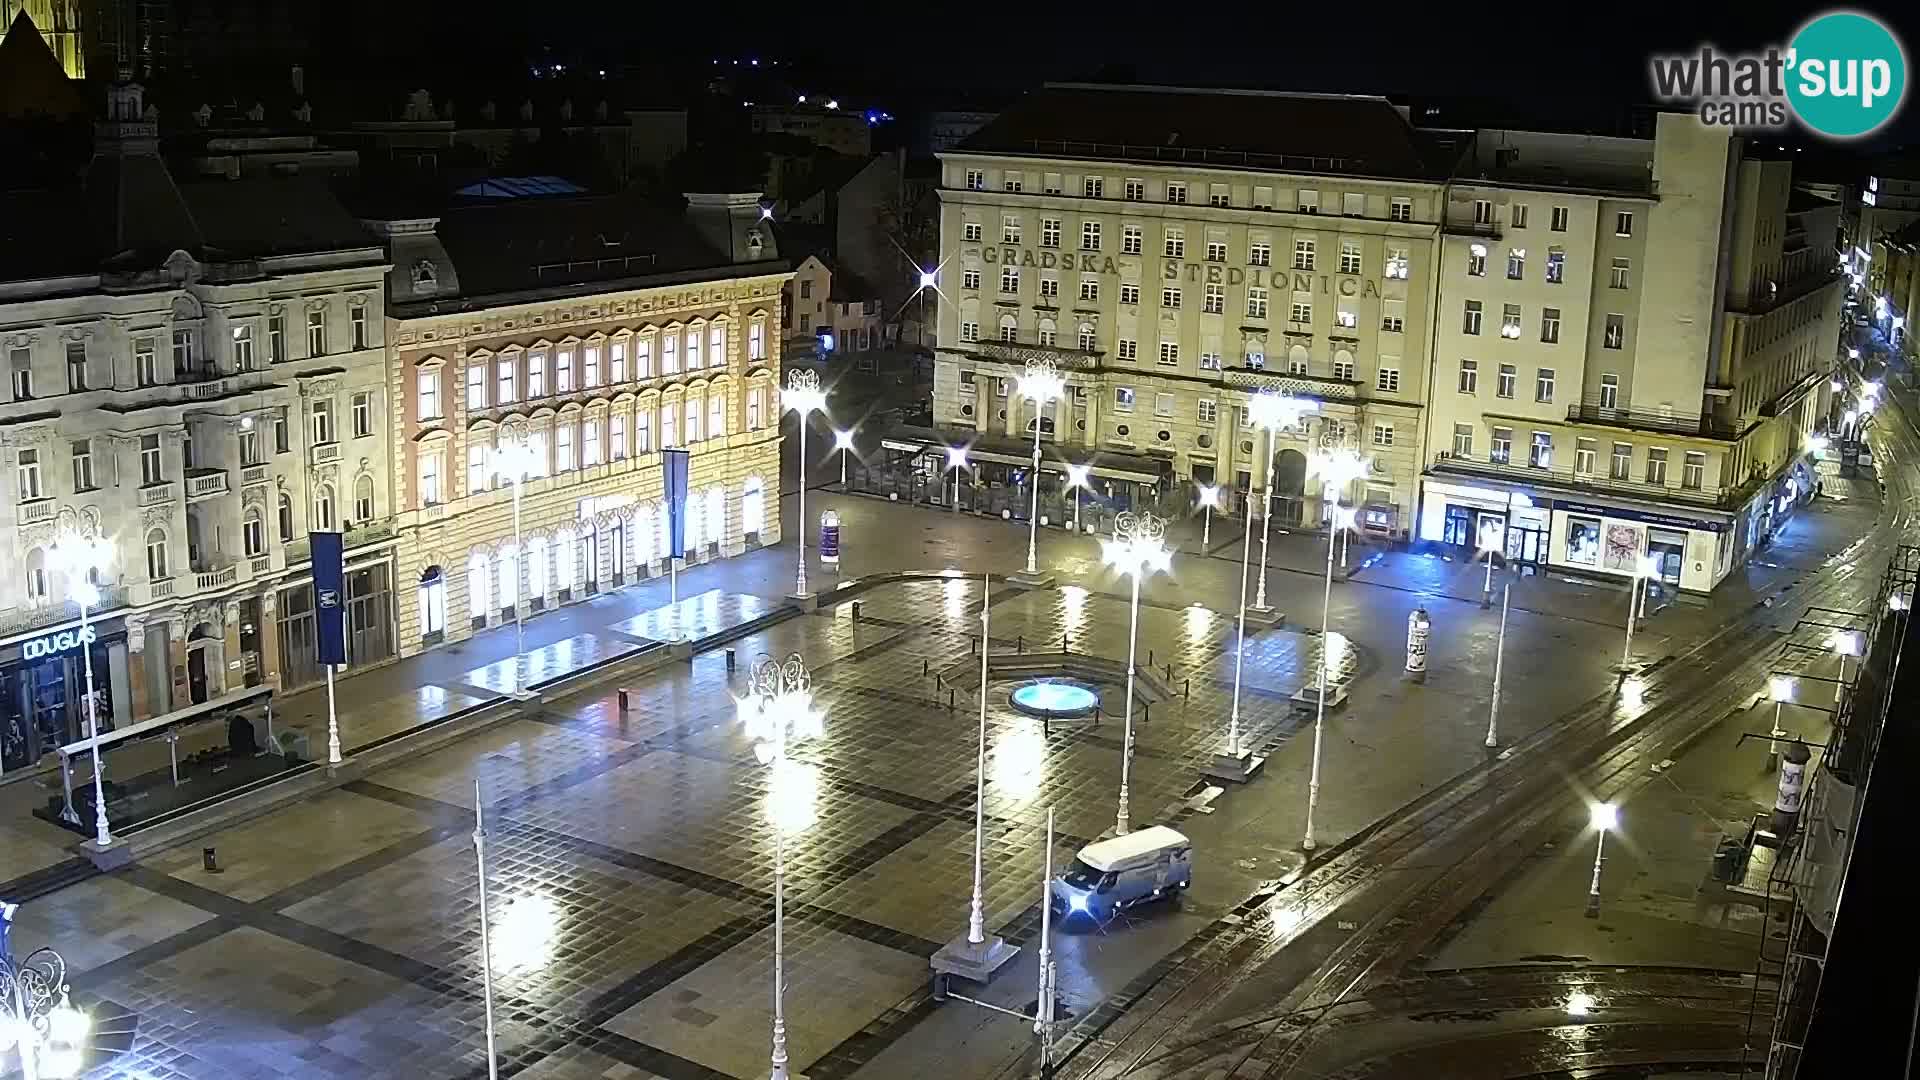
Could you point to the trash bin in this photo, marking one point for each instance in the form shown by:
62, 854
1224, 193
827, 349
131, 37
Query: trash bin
294, 744
1729, 861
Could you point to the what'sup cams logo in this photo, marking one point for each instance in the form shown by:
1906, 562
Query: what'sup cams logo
1843, 76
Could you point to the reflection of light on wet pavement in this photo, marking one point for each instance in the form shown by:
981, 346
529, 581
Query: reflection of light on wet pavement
1019, 760
1286, 917
793, 794
1073, 599
523, 933
1579, 1003
956, 597
1633, 693
1199, 623
1339, 647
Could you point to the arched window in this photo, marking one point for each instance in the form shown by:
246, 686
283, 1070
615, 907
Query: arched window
537, 567
1088, 341
563, 556
509, 562
1299, 361
716, 514
253, 533
323, 508
433, 604
286, 518
477, 586
753, 506
638, 533
363, 499
1009, 328
37, 574
157, 569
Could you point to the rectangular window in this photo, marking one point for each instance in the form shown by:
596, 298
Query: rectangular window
428, 385
590, 367
358, 313
536, 375
1470, 321
1657, 466
1092, 187
1206, 412
1308, 201
1219, 195
182, 351
507, 394
1619, 277
670, 354
1300, 311
1216, 251
1009, 229
476, 386
1209, 361
643, 431
1476, 260
1009, 331
1400, 209
1049, 289
316, 333
1303, 252
243, 348
1174, 244
1132, 237
1090, 290
757, 340
1012, 181
1516, 263
969, 331
1623, 223
1260, 254
1584, 452
1622, 461
430, 479
1550, 325
563, 448
1482, 212
716, 415
76, 366
1469, 376
1215, 300
1393, 316
1009, 279
83, 463
1256, 303
1583, 541
1463, 440
282, 438
976, 180
28, 471
1050, 232
1543, 380
320, 421
1510, 321
276, 339
1349, 257
617, 360
146, 361
362, 412
970, 232
970, 278
150, 467
1501, 452
1519, 215
1505, 382
1298, 364
1343, 370
1540, 451
1353, 204
1129, 293
1556, 266
1087, 341
1558, 221
1169, 353
1693, 470
1089, 236
1383, 434
1609, 391
476, 468
1163, 404
1345, 315
1616, 332
617, 432
1387, 379
1177, 191
643, 358
1397, 263
1127, 349
1123, 399
695, 360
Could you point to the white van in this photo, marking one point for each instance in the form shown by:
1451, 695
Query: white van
1109, 876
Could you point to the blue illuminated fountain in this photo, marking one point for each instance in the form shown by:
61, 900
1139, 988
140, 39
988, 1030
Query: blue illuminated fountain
1056, 699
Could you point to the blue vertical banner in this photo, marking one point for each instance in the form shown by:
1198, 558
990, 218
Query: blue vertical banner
329, 597
674, 463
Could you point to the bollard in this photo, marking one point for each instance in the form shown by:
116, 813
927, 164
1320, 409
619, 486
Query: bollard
1186, 689
1019, 643
949, 701
856, 611
623, 699
210, 861
1146, 711
1149, 659
939, 683
1063, 644
925, 665
1169, 672
732, 661
973, 645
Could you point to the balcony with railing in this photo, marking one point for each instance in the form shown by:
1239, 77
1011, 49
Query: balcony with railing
205, 483
32, 617
1019, 352
323, 453
255, 474
37, 511
156, 494
1702, 426
1313, 386
1568, 478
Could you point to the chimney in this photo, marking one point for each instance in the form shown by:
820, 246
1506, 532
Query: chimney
734, 224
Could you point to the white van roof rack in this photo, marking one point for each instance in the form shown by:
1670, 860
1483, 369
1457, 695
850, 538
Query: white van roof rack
1105, 855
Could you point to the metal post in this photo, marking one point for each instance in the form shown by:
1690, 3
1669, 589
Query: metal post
102, 835
800, 578
1266, 525
1206, 529
333, 723
486, 940
1240, 651
1633, 599
1043, 1005
1593, 891
1499, 656
843, 470
1773, 743
519, 617
779, 1060
1076, 511
1320, 710
976, 919
956, 488
1486, 590
1033, 516
1126, 751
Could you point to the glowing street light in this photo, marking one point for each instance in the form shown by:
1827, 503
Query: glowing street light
1078, 477
82, 556
804, 396
1489, 546
1844, 643
776, 711
1338, 470
1138, 548
36, 1017
1340, 517
1779, 691
956, 460
1209, 498
1604, 817
843, 442
1041, 384
1272, 412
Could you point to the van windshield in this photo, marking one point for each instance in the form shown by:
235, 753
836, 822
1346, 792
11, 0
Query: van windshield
1081, 876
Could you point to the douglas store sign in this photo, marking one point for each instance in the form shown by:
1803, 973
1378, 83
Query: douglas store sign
54, 644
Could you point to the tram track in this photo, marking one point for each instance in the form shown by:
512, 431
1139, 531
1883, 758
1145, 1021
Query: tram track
1455, 841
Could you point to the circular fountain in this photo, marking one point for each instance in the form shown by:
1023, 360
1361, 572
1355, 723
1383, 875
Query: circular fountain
1056, 699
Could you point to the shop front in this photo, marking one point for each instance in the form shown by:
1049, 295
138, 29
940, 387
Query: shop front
43, 686
1689, 553
369, 618
1469, 520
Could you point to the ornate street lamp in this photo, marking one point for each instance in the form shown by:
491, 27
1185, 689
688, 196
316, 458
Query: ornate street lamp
1138, 548
1078, 477
843, 442
1041, 384
1604, 817
777, 711
37, 1018
803, 396
1209, 498
81, 556
1273, 412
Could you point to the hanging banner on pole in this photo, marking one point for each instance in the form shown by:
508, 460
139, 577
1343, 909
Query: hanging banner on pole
674, 464
329, 598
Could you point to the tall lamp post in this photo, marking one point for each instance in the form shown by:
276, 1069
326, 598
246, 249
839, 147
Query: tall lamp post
1273, 413
81, 556
777, 711
1779, 691
803, 396
1489, 547
1138, 548
1499, 661
1078, 477
38, 1019
1237, 763
515, 461
1604, 816
956, 460
1844, 643
843, 443
1339, 469
1041, 384
1643, 568
1209, 498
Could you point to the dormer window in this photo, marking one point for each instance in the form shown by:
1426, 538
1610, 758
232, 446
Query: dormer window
425, 277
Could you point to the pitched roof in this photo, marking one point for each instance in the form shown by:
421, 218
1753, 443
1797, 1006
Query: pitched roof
32, 82
1364, 136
